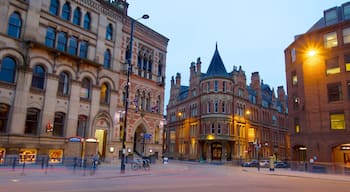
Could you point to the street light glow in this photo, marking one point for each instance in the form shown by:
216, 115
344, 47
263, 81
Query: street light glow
311, 53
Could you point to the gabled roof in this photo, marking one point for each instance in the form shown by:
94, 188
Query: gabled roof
216, 67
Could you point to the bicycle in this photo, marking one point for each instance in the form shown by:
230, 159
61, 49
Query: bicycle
140, 164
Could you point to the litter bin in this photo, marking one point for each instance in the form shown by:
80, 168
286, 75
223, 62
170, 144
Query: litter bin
165, 160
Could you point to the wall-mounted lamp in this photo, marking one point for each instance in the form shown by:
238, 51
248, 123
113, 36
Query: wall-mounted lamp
129, 150
150, 150
111, 149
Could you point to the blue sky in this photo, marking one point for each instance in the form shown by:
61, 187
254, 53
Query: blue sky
251, 34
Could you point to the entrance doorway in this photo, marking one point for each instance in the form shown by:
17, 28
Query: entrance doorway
139, 141
216, 151
101, 135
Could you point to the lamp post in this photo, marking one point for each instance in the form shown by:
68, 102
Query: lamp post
129, 59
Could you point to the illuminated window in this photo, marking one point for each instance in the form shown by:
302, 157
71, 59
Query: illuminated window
296, 125
334, 92
294, 78
347, 62
55, 155
337, 120
104, 94
2, 155
330, 40
332, 66
27, 155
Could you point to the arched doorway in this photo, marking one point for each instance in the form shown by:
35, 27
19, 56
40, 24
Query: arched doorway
216, 151
139, 140
341, 154
101, 128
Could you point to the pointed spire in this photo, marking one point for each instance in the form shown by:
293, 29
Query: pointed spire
216, 67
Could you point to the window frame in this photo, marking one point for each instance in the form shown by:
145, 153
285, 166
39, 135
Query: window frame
59, 124
14, 25
39, 77
66, 11
32, 121
8, 67
330, 39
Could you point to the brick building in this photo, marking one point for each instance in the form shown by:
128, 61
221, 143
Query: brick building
318, 83
219, 118
63, 76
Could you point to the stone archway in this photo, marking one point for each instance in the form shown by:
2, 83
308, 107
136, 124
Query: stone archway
139, 140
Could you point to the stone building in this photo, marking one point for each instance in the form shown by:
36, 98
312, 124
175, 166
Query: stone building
63, 76
219, 118
318, 83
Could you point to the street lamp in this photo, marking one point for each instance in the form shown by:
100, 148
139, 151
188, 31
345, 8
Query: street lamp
129, 59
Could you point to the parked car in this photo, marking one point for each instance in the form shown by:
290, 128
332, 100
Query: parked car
281, 164
264, 163
252, 163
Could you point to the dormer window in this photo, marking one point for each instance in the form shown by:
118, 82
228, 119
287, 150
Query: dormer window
331, 16
346, 11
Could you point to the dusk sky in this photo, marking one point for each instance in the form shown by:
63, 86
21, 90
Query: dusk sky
251, 34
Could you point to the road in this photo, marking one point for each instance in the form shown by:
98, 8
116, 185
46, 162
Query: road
192, 177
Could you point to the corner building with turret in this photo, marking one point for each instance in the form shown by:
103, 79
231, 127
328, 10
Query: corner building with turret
218, 118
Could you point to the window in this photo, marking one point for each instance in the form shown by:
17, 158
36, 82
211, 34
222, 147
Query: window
4, 114
224, 86
337, 120
216, 106
50, 38
77, 16
223, 107
109, 32
332, 66
334, 92
240, 92
38, 78
208, 107
32, 121
8, 70
85, 89
66, 12
82, 126
62, 41
107, 59
346, 35
87, 21
208, 86
83, 49
14, 25
294, 78
293, 54
347, 62
346, 11
63, 84
104, 94
54, 5
331, 16
212, 128
216, 86
330, 40
219, 128
73, 46
58, 125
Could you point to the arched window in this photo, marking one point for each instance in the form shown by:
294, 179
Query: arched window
8, 70
4, 115
216, 106
85, 89
148, 102
87, 21
107, 59
32, 121
73, 45
219, 128
14, 25
63, 84
50, 38
54, 5
109, 32
66, 11
62, 41
223, 107
82, 126
77, 16
212, 128
104, 94
58, 125
38, 79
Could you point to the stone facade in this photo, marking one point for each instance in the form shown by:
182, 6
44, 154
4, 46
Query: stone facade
62, 90
219, 118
